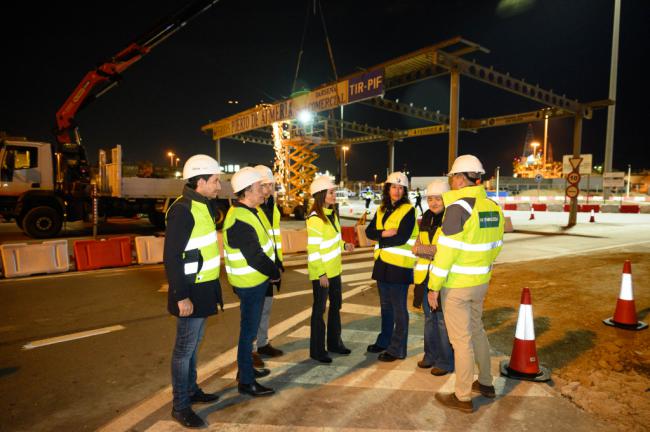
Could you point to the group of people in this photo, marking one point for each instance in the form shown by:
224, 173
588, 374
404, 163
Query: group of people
447, 256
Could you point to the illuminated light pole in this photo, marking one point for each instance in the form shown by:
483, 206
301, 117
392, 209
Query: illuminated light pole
176, 162
344, 174
171, 155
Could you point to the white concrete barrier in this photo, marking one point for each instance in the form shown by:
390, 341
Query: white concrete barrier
609, 208
555, 207
523, 206
149, 249
22, 259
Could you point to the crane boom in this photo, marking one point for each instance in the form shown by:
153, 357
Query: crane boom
100, 80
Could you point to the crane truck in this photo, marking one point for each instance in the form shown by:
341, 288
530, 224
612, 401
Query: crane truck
43, 185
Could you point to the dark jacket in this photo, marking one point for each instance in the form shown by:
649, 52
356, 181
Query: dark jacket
385, 272
243, 237
180, 223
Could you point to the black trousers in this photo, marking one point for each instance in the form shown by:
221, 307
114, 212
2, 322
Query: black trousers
317, 338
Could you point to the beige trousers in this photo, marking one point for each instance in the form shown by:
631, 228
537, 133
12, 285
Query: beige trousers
463, 316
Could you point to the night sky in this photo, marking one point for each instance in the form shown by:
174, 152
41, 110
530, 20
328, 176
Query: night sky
247, 51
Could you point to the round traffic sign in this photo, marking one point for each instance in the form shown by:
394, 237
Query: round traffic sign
573, 178
572, 191
539, 178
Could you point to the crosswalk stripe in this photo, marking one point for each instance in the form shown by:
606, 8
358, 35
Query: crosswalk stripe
361, 309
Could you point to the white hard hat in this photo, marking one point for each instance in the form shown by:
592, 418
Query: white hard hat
266, 174
321, 183
467, 163
398, 178
437, 188
244, 178
200, 164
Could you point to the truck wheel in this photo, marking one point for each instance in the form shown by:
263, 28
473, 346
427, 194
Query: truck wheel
220, 211
42, 222
299, 212
19, 222
157, 219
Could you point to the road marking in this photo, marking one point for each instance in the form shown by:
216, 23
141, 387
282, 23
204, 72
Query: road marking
172, 426
132, 417
361, 309
575, 252
72, 336
365, 276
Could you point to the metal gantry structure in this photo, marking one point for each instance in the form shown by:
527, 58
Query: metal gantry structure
369, 86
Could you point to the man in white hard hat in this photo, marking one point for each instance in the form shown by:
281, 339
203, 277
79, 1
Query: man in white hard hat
469, 242
250, 265
270, 214
192, 263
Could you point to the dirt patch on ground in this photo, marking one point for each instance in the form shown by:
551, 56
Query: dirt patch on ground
604, 370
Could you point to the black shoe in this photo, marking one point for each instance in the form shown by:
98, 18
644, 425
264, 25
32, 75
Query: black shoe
438, 372
323, 359
259, 373
386, 357
374, 348
255, 389
340, 350
269, 350
188, 418
201, 397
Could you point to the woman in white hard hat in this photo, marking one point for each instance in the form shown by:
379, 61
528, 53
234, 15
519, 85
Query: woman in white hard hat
438, 353
395, 229
250, 265
324, 247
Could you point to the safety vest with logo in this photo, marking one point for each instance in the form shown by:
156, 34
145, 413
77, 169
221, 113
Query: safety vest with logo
273, 229
324, 246
203, 239
422, 265
240, 274
464, 259
401, 255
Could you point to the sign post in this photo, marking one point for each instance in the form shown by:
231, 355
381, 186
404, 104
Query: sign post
538, 180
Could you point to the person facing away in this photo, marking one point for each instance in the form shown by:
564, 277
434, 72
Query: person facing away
395, 230
470, 240
324, 247
438, 353
192, 263
418, 200
250, 265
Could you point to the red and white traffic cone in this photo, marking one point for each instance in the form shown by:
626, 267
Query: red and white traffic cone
592, 217
625, 313
523, 363
532, 213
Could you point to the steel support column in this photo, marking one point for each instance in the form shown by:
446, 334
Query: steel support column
454, 117
218, 144
391, 156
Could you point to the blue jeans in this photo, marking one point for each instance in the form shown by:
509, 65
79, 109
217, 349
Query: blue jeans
394, 318
251, 303
189, 332
437, 348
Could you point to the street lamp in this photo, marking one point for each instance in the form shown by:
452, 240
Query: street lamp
534, 145
177, 161
375, 176
171, 155
344, 164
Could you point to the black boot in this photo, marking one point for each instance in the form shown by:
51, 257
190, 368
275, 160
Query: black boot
188, 418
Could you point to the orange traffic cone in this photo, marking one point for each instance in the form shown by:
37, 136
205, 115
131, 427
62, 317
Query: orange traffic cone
532, 213
592, 218
625, 313
523, 363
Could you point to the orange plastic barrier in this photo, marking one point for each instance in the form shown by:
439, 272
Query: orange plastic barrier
587, 208
510, 206
629, 208
96, 254
539, 207
361, 235
349, 235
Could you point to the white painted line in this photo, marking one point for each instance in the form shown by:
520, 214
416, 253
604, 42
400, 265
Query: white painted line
365, 276
361, 309
71, 337
132, 417
577, 252
172, 426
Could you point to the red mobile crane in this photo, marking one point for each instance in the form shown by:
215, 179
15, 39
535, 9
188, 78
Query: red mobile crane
42, 186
